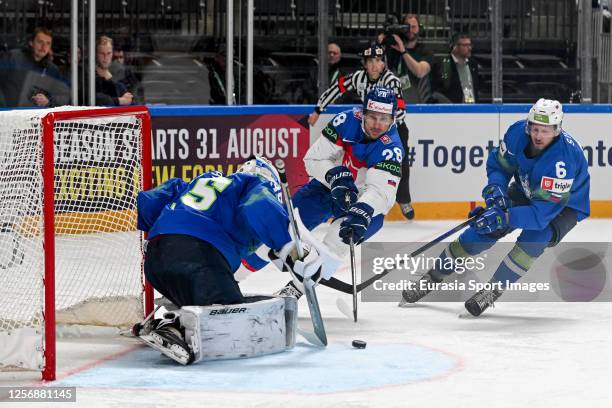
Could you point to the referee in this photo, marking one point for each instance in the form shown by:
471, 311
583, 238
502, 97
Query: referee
375, 73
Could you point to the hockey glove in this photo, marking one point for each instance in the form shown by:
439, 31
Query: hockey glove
341, 183
492, 220
307, 267
287, 260
476, 211
356, 223
494, 196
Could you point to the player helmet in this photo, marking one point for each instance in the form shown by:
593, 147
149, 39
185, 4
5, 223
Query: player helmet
380, 99
373, 51
546, 112
264, 169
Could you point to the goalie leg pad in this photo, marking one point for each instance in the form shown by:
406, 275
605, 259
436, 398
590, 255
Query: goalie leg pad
263, 325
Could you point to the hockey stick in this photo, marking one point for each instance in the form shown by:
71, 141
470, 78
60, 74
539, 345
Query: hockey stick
347, 199
348, 289
309, 290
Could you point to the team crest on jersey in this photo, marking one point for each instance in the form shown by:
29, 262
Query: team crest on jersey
555, 185
358, 114
385, 139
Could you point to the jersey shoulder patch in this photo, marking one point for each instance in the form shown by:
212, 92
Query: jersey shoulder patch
556, 185
390, 166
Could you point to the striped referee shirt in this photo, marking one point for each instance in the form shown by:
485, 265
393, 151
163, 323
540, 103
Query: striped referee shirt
360, 82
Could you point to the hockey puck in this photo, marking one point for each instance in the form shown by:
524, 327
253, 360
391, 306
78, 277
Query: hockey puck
360, 344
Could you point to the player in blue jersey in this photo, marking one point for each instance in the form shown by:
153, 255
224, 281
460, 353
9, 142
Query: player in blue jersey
549, 195
355, 168
199, 231
197, 234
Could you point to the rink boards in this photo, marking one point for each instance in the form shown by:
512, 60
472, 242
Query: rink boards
448, 146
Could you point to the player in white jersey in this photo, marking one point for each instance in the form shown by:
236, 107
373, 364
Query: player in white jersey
374, 73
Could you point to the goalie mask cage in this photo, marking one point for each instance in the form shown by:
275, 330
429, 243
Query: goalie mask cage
70, 252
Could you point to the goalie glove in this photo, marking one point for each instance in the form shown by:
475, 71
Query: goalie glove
307, 267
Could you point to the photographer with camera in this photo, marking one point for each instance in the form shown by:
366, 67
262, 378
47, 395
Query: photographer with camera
409, 59
374, 73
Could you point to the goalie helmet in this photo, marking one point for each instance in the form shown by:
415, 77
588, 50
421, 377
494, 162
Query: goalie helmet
264, 169
546, 112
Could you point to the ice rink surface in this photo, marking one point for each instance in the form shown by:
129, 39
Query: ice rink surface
515, 355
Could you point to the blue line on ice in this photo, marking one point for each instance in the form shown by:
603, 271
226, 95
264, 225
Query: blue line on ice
303, 369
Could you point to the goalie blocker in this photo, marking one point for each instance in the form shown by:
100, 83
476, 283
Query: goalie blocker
260, 326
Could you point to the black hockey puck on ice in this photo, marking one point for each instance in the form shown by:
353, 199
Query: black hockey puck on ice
360, 344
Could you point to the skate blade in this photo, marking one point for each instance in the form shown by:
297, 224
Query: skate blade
467, 315
175, 351
404, 304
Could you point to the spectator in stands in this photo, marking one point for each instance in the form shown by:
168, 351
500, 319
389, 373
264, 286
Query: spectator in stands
123, 74
334, 55
108, 91
334, 72
454, 78
30, 78
410, 61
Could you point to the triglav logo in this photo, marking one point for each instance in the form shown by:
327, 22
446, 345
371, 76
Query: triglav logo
555, 185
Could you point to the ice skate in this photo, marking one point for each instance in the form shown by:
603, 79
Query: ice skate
482, 300
407, 210
166, 336
420, 290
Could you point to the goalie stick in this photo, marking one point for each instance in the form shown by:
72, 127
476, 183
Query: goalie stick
309, 290
348, 288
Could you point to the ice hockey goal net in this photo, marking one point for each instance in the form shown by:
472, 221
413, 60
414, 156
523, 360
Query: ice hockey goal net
69, 249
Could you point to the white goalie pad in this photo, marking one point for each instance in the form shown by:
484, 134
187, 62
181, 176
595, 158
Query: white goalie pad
264, 325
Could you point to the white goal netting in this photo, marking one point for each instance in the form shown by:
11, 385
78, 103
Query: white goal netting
98, 279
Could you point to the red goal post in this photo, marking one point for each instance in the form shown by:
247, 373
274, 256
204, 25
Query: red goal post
94, 162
